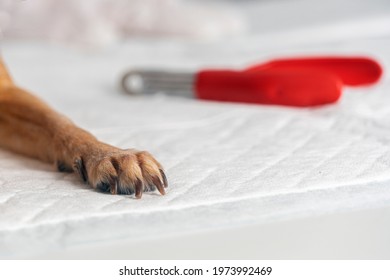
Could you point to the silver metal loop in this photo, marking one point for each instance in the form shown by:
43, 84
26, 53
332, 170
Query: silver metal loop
139, 82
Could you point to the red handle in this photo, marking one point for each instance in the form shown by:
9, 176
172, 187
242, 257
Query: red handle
297, 88
293, 82
353, 71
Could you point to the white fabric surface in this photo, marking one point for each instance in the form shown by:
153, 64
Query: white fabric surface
227, 164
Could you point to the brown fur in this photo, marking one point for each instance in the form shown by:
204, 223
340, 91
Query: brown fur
29, 126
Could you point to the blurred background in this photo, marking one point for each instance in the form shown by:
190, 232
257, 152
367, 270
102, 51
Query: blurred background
104, 22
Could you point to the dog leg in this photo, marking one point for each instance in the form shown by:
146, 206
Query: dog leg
29, 126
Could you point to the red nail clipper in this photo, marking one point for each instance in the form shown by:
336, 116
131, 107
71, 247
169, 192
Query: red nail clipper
308, 81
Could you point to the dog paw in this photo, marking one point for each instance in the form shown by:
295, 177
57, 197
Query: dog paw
121, 171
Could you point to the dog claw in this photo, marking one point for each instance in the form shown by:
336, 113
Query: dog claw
113, 189
138, 189
113, 185
164, 177
80, 168
159, 185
